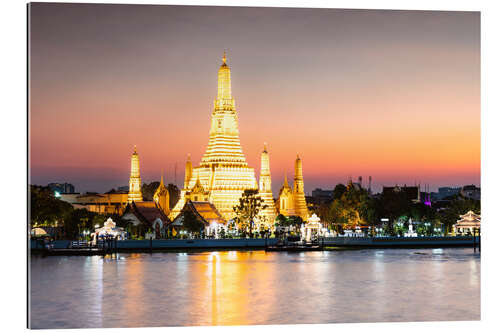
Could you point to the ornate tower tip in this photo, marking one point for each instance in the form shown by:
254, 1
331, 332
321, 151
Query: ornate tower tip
135, 149
265, 146
224, 58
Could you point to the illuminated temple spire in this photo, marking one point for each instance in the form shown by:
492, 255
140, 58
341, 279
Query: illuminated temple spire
189, 171
265, 190
223, 173
224, 82
285, 183
134, 189
224, 142
298, 191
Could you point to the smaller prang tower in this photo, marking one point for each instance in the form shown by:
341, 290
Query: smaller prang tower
299, 197
134, 184
268, 214
189, 172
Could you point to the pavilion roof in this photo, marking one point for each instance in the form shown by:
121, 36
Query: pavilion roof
470, 217
147, 212
205, 211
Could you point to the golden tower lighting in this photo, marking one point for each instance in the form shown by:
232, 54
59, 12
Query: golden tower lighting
267, 215
299, 197
161, 197
223, 173
286, 204
134, 187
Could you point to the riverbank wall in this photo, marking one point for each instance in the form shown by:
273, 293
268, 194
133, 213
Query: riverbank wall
260, 243
402, 242
172, 244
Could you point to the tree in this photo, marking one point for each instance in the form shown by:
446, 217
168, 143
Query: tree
192, 223
388, 230
352, 207
373, 210
323, 211
99, 220
173, 195
338, 191
395, 204
148, 190
45, 208
295, 221
77, 221
282, 220
248, 208
399, 229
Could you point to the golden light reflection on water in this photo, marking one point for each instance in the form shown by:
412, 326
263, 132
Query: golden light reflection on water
224, 294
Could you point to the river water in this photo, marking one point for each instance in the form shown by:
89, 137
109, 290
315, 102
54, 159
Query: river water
255, 287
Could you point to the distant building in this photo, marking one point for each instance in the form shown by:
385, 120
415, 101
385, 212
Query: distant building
412, 192
444, 192
318, 193
434, 196
62, 187
113, 202
471, 192
122, 188
318, 197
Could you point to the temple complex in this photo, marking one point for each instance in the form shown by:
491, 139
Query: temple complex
134, 192
223, 173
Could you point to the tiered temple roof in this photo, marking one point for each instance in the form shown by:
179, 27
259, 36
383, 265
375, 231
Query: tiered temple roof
205, 211
469, 220
146, 212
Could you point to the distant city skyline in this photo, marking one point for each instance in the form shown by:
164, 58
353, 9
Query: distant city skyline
375, 189
390, 94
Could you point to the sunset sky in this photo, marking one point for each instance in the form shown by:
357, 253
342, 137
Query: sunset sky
390, 94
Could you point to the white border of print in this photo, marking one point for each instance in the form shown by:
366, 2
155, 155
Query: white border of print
14, 159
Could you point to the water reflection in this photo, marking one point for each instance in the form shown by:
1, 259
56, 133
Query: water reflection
254, 287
